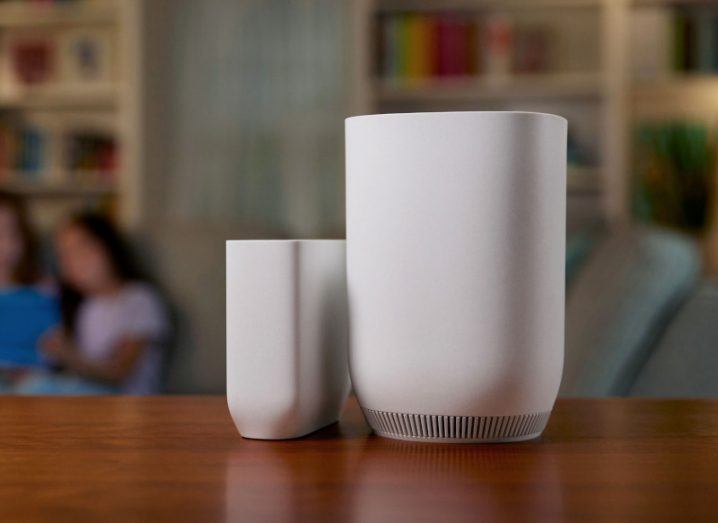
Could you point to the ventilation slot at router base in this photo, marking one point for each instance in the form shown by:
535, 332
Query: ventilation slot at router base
424, 427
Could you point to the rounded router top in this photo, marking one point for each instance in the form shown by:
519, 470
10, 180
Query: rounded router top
284, 240
459, 114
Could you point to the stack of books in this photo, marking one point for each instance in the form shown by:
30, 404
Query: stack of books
695, 40
92, 157
434, 45
674, 40
22, 152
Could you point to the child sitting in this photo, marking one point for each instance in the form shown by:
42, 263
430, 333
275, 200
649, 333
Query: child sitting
26, 311
115, 327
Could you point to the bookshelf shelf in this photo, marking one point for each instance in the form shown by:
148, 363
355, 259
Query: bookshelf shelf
672, 84
29, 14
667, 3
58, 190
62, 97
571, 85
693, 97
393, 6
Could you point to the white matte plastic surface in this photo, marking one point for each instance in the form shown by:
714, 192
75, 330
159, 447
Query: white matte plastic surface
287, 370
455, 248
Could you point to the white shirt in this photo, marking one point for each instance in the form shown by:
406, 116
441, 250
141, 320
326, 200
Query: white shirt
134, 312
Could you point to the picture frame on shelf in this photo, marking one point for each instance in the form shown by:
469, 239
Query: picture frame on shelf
86, 56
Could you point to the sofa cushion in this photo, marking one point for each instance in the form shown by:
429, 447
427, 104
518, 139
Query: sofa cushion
619, 303
685, 361
578, 249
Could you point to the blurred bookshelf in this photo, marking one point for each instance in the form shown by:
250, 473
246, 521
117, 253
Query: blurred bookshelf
60, 97
69, 106
618, 70
23, 13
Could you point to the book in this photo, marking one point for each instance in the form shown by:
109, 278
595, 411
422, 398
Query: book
684, 41
531, 49
418, 28
31, 153
389, 46
403, 45
499, 41
444, 53
92, 156
704, 40
453, 46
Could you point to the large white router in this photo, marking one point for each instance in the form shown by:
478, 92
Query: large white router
455, 259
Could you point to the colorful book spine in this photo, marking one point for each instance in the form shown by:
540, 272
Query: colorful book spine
415, 52
92, 157
31, 154
417, 46
403, 43
22, 152
387, 46
443, 44
454, 47
499, 45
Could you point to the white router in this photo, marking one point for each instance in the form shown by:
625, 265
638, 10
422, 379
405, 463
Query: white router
287, 370
455, 260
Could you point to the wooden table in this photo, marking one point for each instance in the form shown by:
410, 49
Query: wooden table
180, 459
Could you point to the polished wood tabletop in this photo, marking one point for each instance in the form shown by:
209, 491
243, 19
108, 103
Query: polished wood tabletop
181, 459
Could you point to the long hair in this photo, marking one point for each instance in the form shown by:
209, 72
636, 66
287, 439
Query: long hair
27, 271
122, 261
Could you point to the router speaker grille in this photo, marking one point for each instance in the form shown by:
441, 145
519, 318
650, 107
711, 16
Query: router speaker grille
424, 427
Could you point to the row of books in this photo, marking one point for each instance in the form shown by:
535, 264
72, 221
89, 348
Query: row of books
683, 40
430, 45
92, 153
695, 40
25, 153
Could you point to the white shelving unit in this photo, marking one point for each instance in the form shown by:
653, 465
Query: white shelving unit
20, 14
607, 86
110, 106
62, 97
525, 86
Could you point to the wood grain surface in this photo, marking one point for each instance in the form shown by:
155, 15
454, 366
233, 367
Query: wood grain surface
181, 459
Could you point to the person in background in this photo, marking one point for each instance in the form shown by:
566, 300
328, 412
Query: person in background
26, 310
115, 327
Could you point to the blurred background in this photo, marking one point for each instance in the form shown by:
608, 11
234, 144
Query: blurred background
191, 122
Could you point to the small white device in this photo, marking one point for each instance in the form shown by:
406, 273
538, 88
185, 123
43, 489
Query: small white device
456, 240
287, 370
